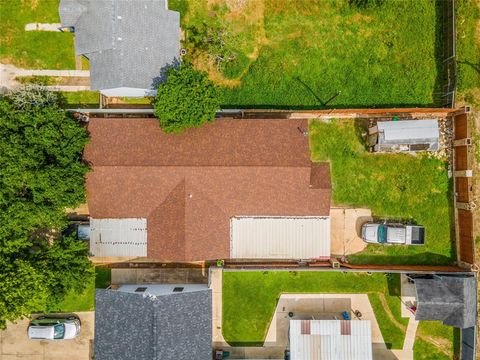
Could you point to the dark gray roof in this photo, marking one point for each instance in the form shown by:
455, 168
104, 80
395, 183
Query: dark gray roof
136, 326
127, 41
447, 298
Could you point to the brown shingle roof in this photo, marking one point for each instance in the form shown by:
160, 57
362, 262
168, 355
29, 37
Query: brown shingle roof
189, 186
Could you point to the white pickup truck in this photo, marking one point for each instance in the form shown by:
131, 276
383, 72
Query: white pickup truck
393, 233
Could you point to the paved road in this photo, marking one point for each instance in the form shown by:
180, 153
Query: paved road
14, 343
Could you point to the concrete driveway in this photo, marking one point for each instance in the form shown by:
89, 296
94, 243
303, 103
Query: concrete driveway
346, 226
14, 343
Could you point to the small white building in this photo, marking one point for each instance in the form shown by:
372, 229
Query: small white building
406, 135
330, 340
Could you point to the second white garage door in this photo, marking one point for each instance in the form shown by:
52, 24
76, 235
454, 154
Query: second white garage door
280, 237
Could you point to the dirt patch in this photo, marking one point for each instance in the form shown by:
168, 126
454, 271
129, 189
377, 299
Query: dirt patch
244, 20
31, 3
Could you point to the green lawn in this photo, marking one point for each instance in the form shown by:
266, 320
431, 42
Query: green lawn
85, 301
468, 49
249, 299
33, 49
446, 338
81, 99
396, 186
301, 53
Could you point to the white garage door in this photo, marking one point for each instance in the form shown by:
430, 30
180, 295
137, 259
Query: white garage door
280, 237
118, 237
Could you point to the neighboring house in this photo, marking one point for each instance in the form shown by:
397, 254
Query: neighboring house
330, 339
127, 42
451, 299
231, 189
153, 322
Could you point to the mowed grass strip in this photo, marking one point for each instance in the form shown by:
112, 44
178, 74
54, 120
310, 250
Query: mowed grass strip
33, 49
85, 301
250, 298
394, 186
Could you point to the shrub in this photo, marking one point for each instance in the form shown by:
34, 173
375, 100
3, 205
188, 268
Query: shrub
186, 98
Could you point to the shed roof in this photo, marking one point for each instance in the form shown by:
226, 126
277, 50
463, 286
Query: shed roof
147, 327
330, 339
189, 186
127, 42
395, 131
447, 298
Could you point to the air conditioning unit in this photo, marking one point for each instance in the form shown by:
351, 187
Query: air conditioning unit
335, 264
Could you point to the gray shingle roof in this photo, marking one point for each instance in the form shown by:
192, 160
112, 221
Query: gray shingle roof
447, 298
127, 41
134, 326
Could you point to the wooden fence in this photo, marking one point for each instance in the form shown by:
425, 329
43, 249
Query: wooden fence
463, 187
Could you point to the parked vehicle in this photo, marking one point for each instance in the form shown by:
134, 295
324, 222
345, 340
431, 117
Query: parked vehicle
393, 233
80, 230
49, 327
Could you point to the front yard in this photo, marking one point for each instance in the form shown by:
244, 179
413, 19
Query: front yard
396, 186
250, 297
85, 301
33, 49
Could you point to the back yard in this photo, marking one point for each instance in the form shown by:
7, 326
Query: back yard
280, 53
250, 297
397, 186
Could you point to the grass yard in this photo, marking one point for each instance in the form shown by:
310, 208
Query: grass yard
397, 186
444, 341
468, 51
33, 49
85, 301
281, 53
80, 99
249, 300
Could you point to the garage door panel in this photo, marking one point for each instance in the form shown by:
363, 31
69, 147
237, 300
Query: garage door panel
280, 237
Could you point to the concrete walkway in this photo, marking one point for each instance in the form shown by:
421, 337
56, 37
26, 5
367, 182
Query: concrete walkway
408, 299
42, 27
59, 73
8, 74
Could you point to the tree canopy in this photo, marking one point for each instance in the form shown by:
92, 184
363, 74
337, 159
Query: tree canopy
41, 173
186, 98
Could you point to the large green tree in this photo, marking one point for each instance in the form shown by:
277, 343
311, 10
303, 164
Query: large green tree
186, 98
41, 173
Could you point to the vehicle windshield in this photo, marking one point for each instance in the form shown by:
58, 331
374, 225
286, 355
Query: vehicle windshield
382, 234
59, 331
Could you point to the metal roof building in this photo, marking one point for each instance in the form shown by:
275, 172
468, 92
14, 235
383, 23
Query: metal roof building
127, 42
280, 237
408, 135
330, 339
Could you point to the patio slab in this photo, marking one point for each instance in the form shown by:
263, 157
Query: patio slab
346, 229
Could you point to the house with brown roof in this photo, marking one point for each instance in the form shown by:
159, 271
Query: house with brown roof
243, 189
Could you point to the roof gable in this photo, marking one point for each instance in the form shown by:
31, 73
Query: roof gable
134, 326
